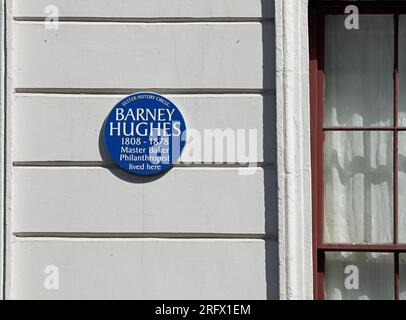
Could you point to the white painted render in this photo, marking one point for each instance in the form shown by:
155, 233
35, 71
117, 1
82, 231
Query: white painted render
293, 130
3, 232
200, 231
148, 8
208, 55
202, 111
142, 269
93, 199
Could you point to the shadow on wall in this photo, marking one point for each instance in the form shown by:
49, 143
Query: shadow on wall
121, 174
270, 150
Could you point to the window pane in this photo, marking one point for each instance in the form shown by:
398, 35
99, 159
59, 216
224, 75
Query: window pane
358, 187
402, 275
402, 186
359, 71
402, 70
359, 276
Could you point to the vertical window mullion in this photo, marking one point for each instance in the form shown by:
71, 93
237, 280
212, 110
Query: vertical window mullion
395, 121
320, 132
315, 144
320, 156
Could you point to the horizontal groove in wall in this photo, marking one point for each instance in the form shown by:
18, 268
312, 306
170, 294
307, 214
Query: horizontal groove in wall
112, 165
113, 91
102, 164
149, 20
90, 235
118, 95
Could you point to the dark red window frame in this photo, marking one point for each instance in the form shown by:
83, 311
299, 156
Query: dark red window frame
317, 12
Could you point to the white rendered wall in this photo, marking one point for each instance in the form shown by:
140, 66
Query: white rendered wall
109, 233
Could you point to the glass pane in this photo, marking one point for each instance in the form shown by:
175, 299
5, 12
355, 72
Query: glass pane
358, 187
402, 186
359, 71
402, 70
402, 275
359, 276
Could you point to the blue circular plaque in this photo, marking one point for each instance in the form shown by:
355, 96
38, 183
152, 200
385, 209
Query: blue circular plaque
145, 133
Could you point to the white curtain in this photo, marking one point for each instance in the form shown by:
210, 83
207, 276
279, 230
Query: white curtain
358, 170
359, 164
358, 202
359, 276
359, 71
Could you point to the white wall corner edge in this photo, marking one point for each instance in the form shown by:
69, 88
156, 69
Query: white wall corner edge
3, 221
6, 95
294, 166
